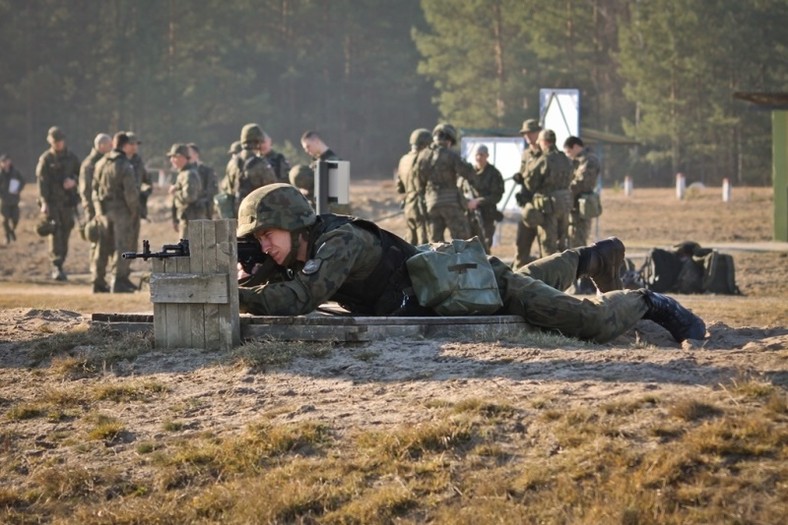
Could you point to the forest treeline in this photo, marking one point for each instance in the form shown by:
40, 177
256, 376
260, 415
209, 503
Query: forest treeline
364, 73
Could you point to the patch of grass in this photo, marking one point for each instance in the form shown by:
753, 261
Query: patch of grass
147, 447
171, 425
95, 345
693, 410
262, 354
129, 391
366, 356
486, 409
416, 441
628, 406
25, 410
104, 427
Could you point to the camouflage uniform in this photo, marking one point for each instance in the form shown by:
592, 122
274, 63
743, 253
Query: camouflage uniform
362, 267
407, 185
186, 198
438, 171
526, 234
86, 173
487, 186
210, 187
586, 174
279, 164
116, 200
52, 170
246, 172
548, 179
9, 201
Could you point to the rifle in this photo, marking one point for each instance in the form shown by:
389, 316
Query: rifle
168, 250
250, 254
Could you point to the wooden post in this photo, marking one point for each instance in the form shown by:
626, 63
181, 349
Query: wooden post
726, 190
195, 298
681, 186
628, 186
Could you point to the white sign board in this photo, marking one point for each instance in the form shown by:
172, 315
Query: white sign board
505, 154
560, 110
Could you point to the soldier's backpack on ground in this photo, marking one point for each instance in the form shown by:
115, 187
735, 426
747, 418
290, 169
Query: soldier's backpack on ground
661, 270
719, 274
454, 278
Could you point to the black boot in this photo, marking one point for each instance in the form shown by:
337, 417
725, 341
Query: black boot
668, 313
602, 262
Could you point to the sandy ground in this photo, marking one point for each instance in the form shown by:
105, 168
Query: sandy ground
386, 383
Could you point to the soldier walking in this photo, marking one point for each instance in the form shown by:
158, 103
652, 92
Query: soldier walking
57, 174
584, 181
116, 200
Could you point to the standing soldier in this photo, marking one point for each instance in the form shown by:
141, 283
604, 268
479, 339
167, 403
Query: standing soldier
11, 184
143, 177
249, 171
186, 190
438, 170
548, 179
407, 184
527, 232
303, 177
315, 147
277, 161
586, 175
57, 173
210, 185
102, 145
116, 199
487, 189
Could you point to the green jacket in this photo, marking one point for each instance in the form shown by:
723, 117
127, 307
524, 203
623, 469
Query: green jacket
51, 172
488, 187
115, 185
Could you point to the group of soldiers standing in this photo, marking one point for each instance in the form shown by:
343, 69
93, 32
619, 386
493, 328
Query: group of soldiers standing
112, 186
556, 196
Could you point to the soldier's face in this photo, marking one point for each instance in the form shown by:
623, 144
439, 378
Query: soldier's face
481, 159
309, 147
58, 145
178, 161
530, 137
275, 243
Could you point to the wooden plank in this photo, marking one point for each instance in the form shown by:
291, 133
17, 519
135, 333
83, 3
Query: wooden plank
196, 257
211, 310
227, 261
159, 310
171, 328
189, 288
183, 336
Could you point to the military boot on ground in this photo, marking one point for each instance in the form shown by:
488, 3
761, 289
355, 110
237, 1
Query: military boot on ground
602, 262
668, 313
123, 286
58, 274
100, 287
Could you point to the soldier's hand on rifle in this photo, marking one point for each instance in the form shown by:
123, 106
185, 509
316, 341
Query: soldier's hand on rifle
242, 273
473, 204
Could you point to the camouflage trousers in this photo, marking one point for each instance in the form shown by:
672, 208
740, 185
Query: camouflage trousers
58, 241
553, 233
118, 235
535, 292
579, 230
441, 217
524, 241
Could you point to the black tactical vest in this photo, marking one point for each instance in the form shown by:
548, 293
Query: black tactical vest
387, 290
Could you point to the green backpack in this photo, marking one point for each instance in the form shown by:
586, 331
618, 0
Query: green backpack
454, 278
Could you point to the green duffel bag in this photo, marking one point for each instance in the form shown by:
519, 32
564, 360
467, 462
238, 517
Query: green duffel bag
454, 278
589, 205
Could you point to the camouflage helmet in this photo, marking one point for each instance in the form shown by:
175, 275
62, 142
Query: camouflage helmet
46, 227
302, 176
447, 130
252, 133
277, 205
420, 137
548, 135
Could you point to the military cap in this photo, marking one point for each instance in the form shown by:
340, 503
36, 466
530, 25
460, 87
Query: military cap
482, 150
252, 133
56, 134
302, 176
277, 205
531, 126
235, 148
133, 139
179, 149
548, 135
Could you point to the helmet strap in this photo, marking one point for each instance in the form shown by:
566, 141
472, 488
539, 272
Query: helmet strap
295, 246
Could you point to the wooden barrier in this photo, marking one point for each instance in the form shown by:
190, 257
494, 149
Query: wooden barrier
195, 298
